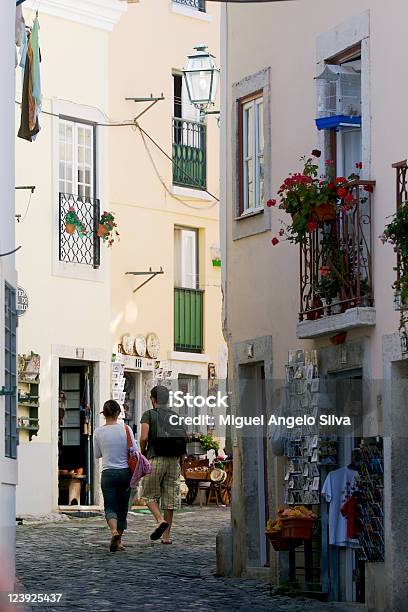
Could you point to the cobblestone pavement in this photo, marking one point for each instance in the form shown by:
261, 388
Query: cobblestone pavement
73, 558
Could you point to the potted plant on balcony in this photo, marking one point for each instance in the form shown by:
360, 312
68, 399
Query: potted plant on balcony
73, 223
107, 228
312, 200
396, 233
328, 286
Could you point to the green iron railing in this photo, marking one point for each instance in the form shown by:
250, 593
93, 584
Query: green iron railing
188, 320
189, 153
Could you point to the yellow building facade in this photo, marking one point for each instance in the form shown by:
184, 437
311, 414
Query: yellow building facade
79, 313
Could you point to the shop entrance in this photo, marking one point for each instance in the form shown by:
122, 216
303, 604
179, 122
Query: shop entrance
343, 574
254, 443
75, 452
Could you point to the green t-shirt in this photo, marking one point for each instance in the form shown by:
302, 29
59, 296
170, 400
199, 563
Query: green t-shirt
150, 417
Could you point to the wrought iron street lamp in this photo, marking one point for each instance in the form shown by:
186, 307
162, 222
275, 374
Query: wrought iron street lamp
201, 77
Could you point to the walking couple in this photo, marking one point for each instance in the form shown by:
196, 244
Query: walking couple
123, 464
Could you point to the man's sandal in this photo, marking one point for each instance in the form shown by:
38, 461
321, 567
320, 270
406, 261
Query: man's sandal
158, 532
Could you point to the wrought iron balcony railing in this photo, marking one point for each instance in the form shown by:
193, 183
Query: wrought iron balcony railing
335, 259
81, 247
189, 153
199, 5
188, 320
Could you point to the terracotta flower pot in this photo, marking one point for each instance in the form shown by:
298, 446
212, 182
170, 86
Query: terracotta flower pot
70, 228
102, 231
324, 212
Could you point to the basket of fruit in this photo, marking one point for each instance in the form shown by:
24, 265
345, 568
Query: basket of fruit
291, 527
297, 523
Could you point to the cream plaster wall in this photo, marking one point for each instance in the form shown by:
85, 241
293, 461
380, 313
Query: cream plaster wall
283, 36
63, 310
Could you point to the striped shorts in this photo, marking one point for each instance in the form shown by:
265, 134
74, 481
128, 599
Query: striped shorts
163, 484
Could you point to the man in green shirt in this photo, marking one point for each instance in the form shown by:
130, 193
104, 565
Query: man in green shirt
163, 484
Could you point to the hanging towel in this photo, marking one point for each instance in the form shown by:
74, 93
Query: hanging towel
29, 126
20, 29
36, 77
31, 96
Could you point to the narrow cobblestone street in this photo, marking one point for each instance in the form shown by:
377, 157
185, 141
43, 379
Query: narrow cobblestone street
72, 558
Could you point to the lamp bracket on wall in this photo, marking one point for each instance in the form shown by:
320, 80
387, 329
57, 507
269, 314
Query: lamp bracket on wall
151, 273
150, 99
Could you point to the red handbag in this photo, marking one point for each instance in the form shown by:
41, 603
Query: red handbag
132, 462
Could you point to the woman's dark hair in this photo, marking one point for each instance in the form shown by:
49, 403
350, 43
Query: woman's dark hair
111, 409
160, 394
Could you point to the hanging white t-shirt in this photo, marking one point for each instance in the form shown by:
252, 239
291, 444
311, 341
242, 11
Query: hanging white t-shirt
337, 487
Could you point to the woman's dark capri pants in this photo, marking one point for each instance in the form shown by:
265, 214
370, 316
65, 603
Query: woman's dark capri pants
116, 493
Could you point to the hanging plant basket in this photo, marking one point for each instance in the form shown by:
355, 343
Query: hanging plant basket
102, 231
107, 228
324, 213
73, 223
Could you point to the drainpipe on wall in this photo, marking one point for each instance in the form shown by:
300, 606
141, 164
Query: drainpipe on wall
224, 188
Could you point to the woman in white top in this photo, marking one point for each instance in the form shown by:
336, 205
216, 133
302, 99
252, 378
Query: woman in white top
110, 444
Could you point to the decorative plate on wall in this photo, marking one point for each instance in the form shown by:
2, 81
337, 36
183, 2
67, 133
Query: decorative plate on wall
140, 345
153, 345
127, 344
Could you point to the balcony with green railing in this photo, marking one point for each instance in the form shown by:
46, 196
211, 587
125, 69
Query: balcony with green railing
189, 154
188, 320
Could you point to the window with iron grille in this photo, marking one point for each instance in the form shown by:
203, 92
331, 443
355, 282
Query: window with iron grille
199, 5
189, 139
10, 374
77, 190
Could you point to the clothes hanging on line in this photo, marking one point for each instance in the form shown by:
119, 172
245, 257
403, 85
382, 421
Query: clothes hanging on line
336, 489
31, 96
20, 30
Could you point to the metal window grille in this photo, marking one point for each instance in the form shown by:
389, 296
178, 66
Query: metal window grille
189, 153
188, 320
74, 248
10, 372
199, 5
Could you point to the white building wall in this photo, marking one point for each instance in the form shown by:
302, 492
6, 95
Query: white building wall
8, 467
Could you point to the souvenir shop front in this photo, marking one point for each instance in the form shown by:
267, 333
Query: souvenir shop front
132, 379
330, 523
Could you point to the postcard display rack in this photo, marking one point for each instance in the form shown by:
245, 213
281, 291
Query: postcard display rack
305, 448
118, 385
369, 495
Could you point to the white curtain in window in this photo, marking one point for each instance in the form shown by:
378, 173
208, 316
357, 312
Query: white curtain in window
185, 258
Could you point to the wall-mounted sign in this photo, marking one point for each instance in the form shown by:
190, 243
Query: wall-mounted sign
22, 301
